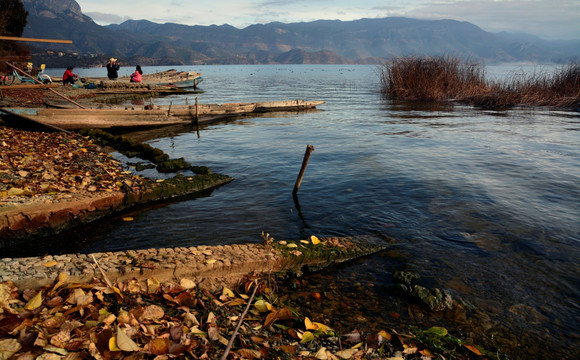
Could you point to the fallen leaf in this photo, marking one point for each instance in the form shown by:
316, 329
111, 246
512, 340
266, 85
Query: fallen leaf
473, 349
427, 353
307, 337
153, 312
437, 331
309, 325
213, 333
49, 264
321, 354
35, 302
314, 240
249, 354
187, 284
8, 347
290, 349
62, 279
262, 306
346, 354
128, 219
227, 292
159, 346
124, 342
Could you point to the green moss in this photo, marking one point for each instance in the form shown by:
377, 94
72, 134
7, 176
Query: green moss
131, 148
178, 186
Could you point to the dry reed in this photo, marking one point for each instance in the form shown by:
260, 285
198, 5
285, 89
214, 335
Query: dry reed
449, 78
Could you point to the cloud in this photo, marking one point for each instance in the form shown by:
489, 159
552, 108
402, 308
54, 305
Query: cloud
549, 19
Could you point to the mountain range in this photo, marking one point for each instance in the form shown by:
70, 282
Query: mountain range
364, 41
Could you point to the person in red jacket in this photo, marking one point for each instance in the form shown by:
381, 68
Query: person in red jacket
69, 77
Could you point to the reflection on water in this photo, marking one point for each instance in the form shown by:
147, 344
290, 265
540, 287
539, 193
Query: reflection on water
482, 203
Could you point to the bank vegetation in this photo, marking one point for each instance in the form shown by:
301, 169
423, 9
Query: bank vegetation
447, 78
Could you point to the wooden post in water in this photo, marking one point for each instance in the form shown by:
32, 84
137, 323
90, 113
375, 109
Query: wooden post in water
309, 150
197, 117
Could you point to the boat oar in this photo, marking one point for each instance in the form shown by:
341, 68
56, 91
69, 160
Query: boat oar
54, 91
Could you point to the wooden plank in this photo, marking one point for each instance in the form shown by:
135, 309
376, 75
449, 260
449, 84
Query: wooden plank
29, 86
15, 38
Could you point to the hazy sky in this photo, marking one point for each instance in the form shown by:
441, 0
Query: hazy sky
549, 19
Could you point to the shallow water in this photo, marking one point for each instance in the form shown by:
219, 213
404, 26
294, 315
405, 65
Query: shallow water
485, 204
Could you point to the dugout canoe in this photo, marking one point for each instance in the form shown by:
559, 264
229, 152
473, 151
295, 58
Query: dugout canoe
147, 115
164, 79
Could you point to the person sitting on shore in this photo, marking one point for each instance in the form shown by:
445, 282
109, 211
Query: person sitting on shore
137, 76
113, 69
69, 77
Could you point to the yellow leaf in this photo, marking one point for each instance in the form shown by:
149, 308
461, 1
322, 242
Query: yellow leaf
227, 292
307, 337
210, 261
113, 344
15, 191
128, 218
314, 240
309, 324
62, 279
321, 327
283, 242
35, 302
304, 241
49, 264
262, 306
292, 245
124, 342
153, 285
385, 334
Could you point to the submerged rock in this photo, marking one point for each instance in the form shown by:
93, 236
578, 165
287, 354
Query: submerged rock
433, 299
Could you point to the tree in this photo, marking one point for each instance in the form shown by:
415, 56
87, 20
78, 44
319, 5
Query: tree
12, 17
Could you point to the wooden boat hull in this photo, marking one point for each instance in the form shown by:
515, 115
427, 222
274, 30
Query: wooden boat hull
167, 79
151, 116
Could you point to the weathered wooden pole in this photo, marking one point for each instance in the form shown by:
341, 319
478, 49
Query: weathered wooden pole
197, 117
309, 150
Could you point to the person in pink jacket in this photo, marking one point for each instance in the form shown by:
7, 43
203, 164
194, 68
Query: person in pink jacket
137, 75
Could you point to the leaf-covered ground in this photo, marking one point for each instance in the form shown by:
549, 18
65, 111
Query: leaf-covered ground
161, 321
39, 163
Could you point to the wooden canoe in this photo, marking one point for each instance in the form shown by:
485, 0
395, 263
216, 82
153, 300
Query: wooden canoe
148, 115
163, 79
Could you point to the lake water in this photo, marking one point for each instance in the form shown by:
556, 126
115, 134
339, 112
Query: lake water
485, 204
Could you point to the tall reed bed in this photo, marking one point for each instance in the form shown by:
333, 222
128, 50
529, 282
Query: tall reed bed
450, 78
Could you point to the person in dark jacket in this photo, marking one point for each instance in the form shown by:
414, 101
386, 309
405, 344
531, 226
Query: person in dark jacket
113, 69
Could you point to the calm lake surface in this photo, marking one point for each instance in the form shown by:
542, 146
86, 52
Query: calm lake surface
484, 204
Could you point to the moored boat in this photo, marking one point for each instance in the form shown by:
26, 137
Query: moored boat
148, 115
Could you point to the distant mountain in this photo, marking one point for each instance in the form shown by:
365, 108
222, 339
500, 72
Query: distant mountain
323, 41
